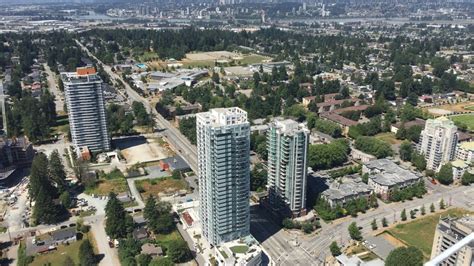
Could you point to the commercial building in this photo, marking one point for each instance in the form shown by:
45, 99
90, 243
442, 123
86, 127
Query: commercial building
385, 176
449, 232
223, 145
287, 145
86, 109
438, 142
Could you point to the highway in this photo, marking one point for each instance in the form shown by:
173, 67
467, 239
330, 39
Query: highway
181, 144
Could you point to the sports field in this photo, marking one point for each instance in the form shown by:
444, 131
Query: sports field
467, 120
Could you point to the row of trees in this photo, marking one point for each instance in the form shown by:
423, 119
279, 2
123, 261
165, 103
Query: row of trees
47, 183
408, 193
352, 207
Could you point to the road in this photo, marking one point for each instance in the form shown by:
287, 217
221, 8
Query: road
181, 144
313, 249
54, 89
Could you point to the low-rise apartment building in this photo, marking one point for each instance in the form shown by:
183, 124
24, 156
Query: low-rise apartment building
385, 176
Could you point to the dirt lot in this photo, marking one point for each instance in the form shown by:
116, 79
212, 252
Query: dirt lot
208, 59
449, 108
141, 149
211, 55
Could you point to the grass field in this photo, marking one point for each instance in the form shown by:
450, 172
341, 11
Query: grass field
420, 233
467, 120
165, 239
58, 257
388, 137
104, 187
469, 108
166, 185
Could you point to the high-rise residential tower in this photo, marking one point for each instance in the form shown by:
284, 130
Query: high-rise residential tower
438, 142
86, 109
287, 143
449, 232
223, 144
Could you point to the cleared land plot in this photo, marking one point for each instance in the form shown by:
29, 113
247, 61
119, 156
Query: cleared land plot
160, 187
388, 137
451, 108
141, 149
420, 233
439, 111
208, 59
467, 120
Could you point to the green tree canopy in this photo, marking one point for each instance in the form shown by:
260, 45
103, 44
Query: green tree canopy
403, 256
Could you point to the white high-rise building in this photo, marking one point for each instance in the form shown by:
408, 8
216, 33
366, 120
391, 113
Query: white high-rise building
223, 144
438, 142
287, 143
86, 109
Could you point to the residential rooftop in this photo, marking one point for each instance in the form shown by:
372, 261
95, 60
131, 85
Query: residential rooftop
389, 173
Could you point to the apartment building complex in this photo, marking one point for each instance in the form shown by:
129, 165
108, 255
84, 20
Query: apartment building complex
449, 232
287, 144
438, 142
385, 176
223, 145
86, 109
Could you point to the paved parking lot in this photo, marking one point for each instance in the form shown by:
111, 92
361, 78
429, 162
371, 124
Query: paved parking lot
380, 246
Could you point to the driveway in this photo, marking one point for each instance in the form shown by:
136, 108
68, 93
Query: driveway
133, 188
110, 255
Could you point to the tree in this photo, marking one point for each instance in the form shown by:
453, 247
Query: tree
65, 199
335, 249
178, 251
418, 161
150, 208
406, 151
376, 147
57, 172
45, 211
467, 178
410, 256
374, 224
86, 254
39, 177
423, 210
441, 204
445, 174
403, 215
129, 248
354, 231
325, 156
162, 261
432, 208
307, 227
384, 222
412, 214
144, 259
115, 225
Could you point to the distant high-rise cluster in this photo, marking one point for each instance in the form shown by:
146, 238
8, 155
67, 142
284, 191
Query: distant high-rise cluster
223, 144
438, 142
287, 144
86, 109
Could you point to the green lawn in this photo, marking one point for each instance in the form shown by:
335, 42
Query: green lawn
239, 249
57, 258
467, 120
420, 233
469, 108
388, 137
148, 56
